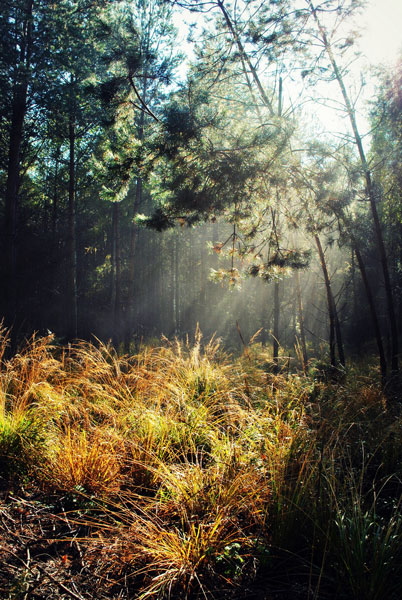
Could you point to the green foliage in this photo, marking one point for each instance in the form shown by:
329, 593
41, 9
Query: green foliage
367, 551
281, 263
159, 220
230, 562
21, 443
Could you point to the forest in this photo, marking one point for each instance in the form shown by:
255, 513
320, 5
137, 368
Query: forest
201, 307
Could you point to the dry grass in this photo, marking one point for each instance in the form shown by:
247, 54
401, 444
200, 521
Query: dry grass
84, 460
198, 466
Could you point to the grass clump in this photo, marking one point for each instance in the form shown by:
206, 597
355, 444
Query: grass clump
21, 442
86, 460
367, 551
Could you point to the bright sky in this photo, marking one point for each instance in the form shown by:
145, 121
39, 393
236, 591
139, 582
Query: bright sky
382, 22
380, 29
380, 41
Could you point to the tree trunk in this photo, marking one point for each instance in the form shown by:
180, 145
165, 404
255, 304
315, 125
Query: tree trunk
370, 299
55, 199
19, 108
201, 284
330, 302
177, 317
373, 311
175, 286
275, 341
72, 308
130, 302
116, 281
130, 308
370, 192
338, 331
301, 321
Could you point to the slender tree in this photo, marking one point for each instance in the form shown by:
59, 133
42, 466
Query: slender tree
327, 45
300, 313
19, 19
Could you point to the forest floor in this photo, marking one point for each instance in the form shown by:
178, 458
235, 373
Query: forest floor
183, 472
42, 557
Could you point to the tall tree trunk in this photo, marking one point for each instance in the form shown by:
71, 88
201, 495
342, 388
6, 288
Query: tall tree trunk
19, 108
175, 286
370, 299
72, 308
275, 225
116, 267
55, 199
330, 302
130, 302
275, 341
373, 311
264, 319
370, 191
201, 285
354, 286
301, 321
293, 330
338, 331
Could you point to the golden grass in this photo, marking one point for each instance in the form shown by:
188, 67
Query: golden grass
84, 460
197, 460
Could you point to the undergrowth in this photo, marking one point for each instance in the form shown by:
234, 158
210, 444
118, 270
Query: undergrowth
191, 473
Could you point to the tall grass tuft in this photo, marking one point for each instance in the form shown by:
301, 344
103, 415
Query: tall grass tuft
367, 551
